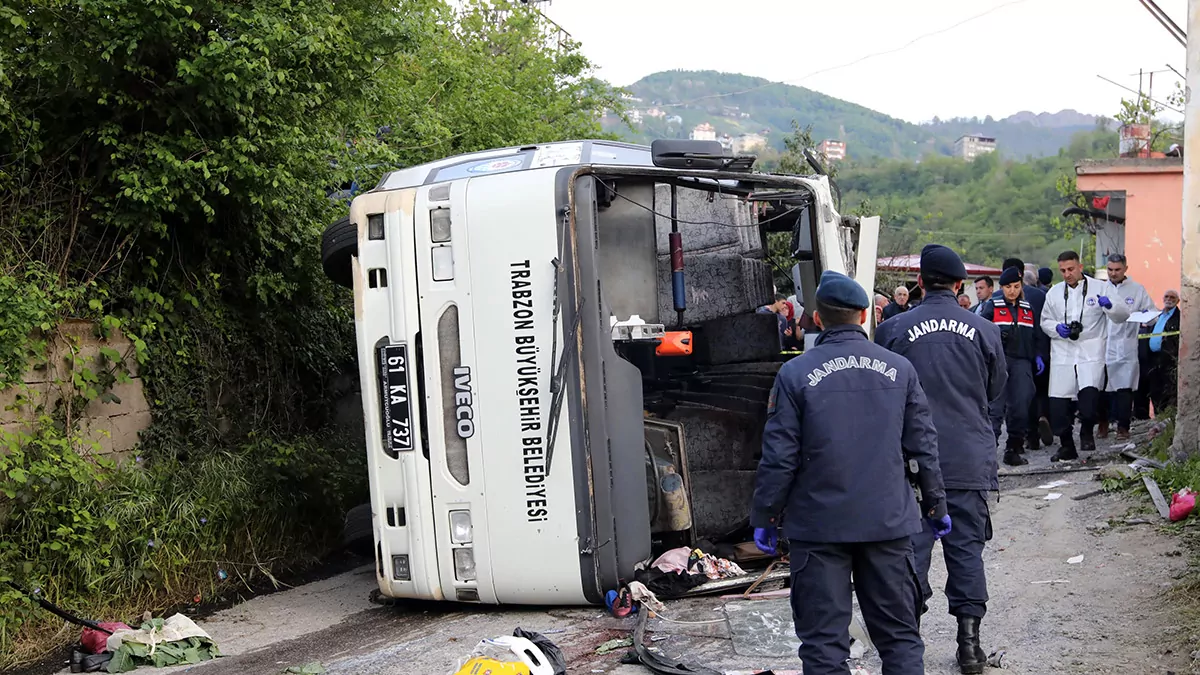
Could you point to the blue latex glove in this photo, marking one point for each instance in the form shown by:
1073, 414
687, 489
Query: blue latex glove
1104, 301
941, 527
1064, 331
766, 539
1041, 366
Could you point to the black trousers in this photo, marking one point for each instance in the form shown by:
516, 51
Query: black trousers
1120, 407
885, 581
1014, 407
1062, 413
1039, 407
1164, 381
966, 582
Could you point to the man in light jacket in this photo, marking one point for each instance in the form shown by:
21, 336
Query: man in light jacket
1121, 357
1076, 317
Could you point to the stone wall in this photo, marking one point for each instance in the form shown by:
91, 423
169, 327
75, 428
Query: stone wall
113, 421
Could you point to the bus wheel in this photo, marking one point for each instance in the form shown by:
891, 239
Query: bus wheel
358, 537
339, 244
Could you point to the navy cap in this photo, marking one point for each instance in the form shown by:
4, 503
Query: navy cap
1010, 276
839, 290
1045, 276
937, 259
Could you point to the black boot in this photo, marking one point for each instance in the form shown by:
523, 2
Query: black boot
1066, 450
1045, 431
1012, 454
1087, 441
971, 657
1032, 442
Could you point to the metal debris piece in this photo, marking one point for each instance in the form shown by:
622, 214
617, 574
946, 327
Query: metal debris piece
1052, 581
1075, 560
996, 659
1160, 502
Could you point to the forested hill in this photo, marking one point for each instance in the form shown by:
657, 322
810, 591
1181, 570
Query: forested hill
987, 209
736, 104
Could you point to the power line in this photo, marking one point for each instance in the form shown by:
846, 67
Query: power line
1172, 27
1140, 94
854, 62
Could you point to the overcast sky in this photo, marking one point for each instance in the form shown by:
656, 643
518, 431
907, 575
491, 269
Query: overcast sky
1039, 55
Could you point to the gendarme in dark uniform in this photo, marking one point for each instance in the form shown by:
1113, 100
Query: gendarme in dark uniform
960, 361
842, 482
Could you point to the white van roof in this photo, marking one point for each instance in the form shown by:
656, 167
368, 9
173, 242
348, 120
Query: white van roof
519, 158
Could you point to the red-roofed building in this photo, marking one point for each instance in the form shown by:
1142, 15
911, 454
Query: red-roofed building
912, 264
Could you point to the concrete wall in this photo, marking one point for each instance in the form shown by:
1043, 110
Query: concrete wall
1153, 226
114, 424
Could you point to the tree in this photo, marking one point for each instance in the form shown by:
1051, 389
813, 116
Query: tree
165, 168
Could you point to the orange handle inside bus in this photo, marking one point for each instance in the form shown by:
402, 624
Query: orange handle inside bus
675, 343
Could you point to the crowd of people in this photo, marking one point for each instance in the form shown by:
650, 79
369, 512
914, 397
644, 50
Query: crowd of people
941, 380
1110, 373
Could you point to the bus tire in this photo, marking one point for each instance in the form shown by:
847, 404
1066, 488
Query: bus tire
339, 244
358, 534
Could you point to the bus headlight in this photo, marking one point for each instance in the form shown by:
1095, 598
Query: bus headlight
460, 527
443, 263
464, 564
439, 225
375, 226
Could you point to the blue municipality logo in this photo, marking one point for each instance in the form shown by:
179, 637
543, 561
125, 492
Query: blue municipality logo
1129, 300
493, 165
1091, 302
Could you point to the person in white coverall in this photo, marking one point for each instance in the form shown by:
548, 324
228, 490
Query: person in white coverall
1076, 317
1121, 357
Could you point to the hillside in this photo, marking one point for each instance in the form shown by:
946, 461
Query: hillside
736, 104
987, 210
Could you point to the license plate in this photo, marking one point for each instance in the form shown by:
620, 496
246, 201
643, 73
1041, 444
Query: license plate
394, 389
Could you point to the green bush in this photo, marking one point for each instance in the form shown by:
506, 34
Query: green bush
164, 172
154, 533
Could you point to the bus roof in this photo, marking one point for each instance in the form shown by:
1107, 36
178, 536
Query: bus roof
519, 158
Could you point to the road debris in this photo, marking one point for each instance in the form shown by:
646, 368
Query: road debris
1156, 494
1075, 560
613, 645
1052, 496
522, 652
1139, 459
1088, 495
1054, 484
160, 643
996, 659
1182, 504
1051, 581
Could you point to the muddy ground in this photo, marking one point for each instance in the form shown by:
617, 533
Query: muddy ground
1103, 615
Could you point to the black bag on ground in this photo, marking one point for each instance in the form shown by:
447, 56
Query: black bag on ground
551, 650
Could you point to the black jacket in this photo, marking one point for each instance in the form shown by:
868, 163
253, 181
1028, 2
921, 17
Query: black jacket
894, 309
840, 479
1170, 344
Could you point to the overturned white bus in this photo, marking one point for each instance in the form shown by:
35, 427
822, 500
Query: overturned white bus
561, 364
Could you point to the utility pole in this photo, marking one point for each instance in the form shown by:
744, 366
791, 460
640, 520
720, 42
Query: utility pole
1187, 425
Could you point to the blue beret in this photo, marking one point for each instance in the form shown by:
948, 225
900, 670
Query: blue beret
1010, 276
839, 290
937, 259
1045, 276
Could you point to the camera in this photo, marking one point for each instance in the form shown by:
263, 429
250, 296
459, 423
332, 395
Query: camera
1076, 329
